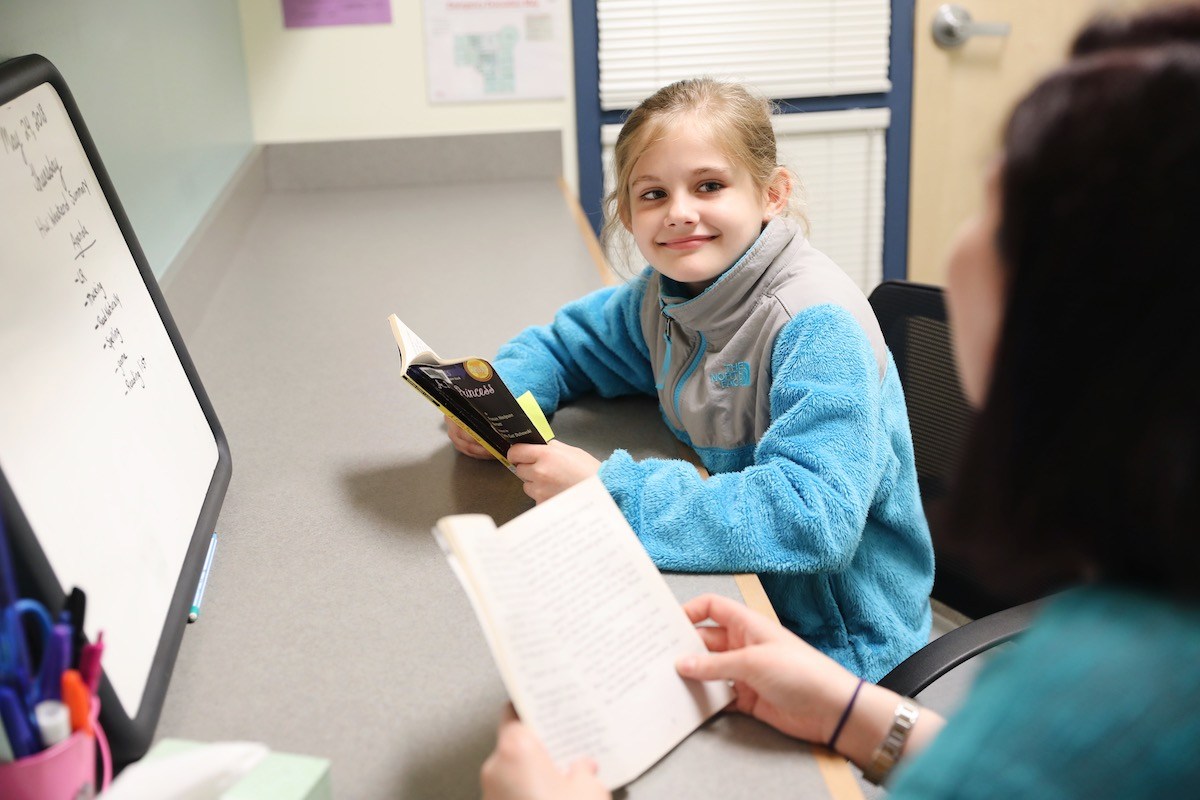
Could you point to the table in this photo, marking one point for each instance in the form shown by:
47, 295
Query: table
332, 625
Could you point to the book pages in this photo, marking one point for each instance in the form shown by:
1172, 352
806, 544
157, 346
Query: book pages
585, 631
410, 344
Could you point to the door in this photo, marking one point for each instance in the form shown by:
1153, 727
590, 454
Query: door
961, 99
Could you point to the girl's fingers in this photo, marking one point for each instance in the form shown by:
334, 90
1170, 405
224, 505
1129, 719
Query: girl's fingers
522, 454
463, 442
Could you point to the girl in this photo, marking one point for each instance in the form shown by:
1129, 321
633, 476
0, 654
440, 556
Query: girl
768, 361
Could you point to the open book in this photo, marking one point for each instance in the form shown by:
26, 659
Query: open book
470, 393
584, 630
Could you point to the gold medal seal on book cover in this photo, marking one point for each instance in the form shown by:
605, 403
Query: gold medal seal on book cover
478, 369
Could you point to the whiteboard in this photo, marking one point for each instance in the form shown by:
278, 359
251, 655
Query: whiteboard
109, 449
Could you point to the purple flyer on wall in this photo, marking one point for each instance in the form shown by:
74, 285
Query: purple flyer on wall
314, 13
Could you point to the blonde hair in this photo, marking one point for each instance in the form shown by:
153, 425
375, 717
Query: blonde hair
738, 121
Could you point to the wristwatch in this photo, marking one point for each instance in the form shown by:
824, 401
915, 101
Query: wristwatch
888, 753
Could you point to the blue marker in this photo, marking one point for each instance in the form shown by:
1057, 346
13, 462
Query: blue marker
13, 660
194, 614
16, 724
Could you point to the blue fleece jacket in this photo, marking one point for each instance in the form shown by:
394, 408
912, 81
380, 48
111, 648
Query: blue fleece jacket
777, 377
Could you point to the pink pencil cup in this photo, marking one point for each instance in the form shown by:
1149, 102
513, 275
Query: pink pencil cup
66, 771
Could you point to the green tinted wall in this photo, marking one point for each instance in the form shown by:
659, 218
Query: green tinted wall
162, 87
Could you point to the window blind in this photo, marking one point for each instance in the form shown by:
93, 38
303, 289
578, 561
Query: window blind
783, 48
839, 159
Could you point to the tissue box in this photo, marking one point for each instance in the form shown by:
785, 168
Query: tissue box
280, 776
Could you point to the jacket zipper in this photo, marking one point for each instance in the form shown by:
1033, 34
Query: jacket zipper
664, 371
701, 347
666, 363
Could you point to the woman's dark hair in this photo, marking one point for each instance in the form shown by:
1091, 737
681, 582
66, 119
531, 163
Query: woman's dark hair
1176, 23
1085, 459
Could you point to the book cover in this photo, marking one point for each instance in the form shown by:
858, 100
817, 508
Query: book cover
470, 393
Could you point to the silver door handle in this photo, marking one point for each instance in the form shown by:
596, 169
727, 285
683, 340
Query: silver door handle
953, 25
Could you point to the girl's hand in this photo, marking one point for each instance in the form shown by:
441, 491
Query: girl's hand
779, 678
548, 469
464, 443
520, 769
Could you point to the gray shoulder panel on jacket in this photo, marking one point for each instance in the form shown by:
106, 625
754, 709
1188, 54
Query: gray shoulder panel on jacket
815, 280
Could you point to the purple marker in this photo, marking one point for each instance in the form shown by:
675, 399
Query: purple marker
55, 660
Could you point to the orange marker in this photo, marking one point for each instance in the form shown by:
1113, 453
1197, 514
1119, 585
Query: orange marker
78, 699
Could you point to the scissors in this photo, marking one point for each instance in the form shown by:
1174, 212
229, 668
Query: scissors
36, 685
15, 668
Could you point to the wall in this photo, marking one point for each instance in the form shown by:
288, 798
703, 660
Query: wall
365, 82
162, 87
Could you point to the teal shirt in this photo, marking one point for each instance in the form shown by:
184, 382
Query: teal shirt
1100, 699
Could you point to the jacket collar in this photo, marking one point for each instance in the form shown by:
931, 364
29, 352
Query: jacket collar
725, 305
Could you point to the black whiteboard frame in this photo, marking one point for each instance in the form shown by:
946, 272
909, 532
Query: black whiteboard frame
129, 737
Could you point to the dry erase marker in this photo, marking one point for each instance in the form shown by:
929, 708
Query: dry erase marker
16, 724
77, 700
89, 663
55, 659
76, 607
194, 614
6, 753
53, 721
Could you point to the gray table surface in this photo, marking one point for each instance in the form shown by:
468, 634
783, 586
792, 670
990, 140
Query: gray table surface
332, 625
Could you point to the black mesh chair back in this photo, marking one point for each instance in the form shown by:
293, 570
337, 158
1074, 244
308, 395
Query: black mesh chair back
913, 319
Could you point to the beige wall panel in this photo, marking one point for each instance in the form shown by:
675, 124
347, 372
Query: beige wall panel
961, 99
369, 82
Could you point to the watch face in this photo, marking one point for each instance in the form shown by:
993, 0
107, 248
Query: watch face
888, 752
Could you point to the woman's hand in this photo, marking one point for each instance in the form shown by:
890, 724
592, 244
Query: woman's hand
779, 678
520, 769
788, 684
548, 469
464, 443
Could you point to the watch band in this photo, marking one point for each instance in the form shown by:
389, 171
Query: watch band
888, 752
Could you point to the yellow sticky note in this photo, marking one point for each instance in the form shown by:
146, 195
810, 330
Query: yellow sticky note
536, 416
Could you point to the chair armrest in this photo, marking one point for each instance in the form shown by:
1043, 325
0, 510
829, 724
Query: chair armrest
946, 652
